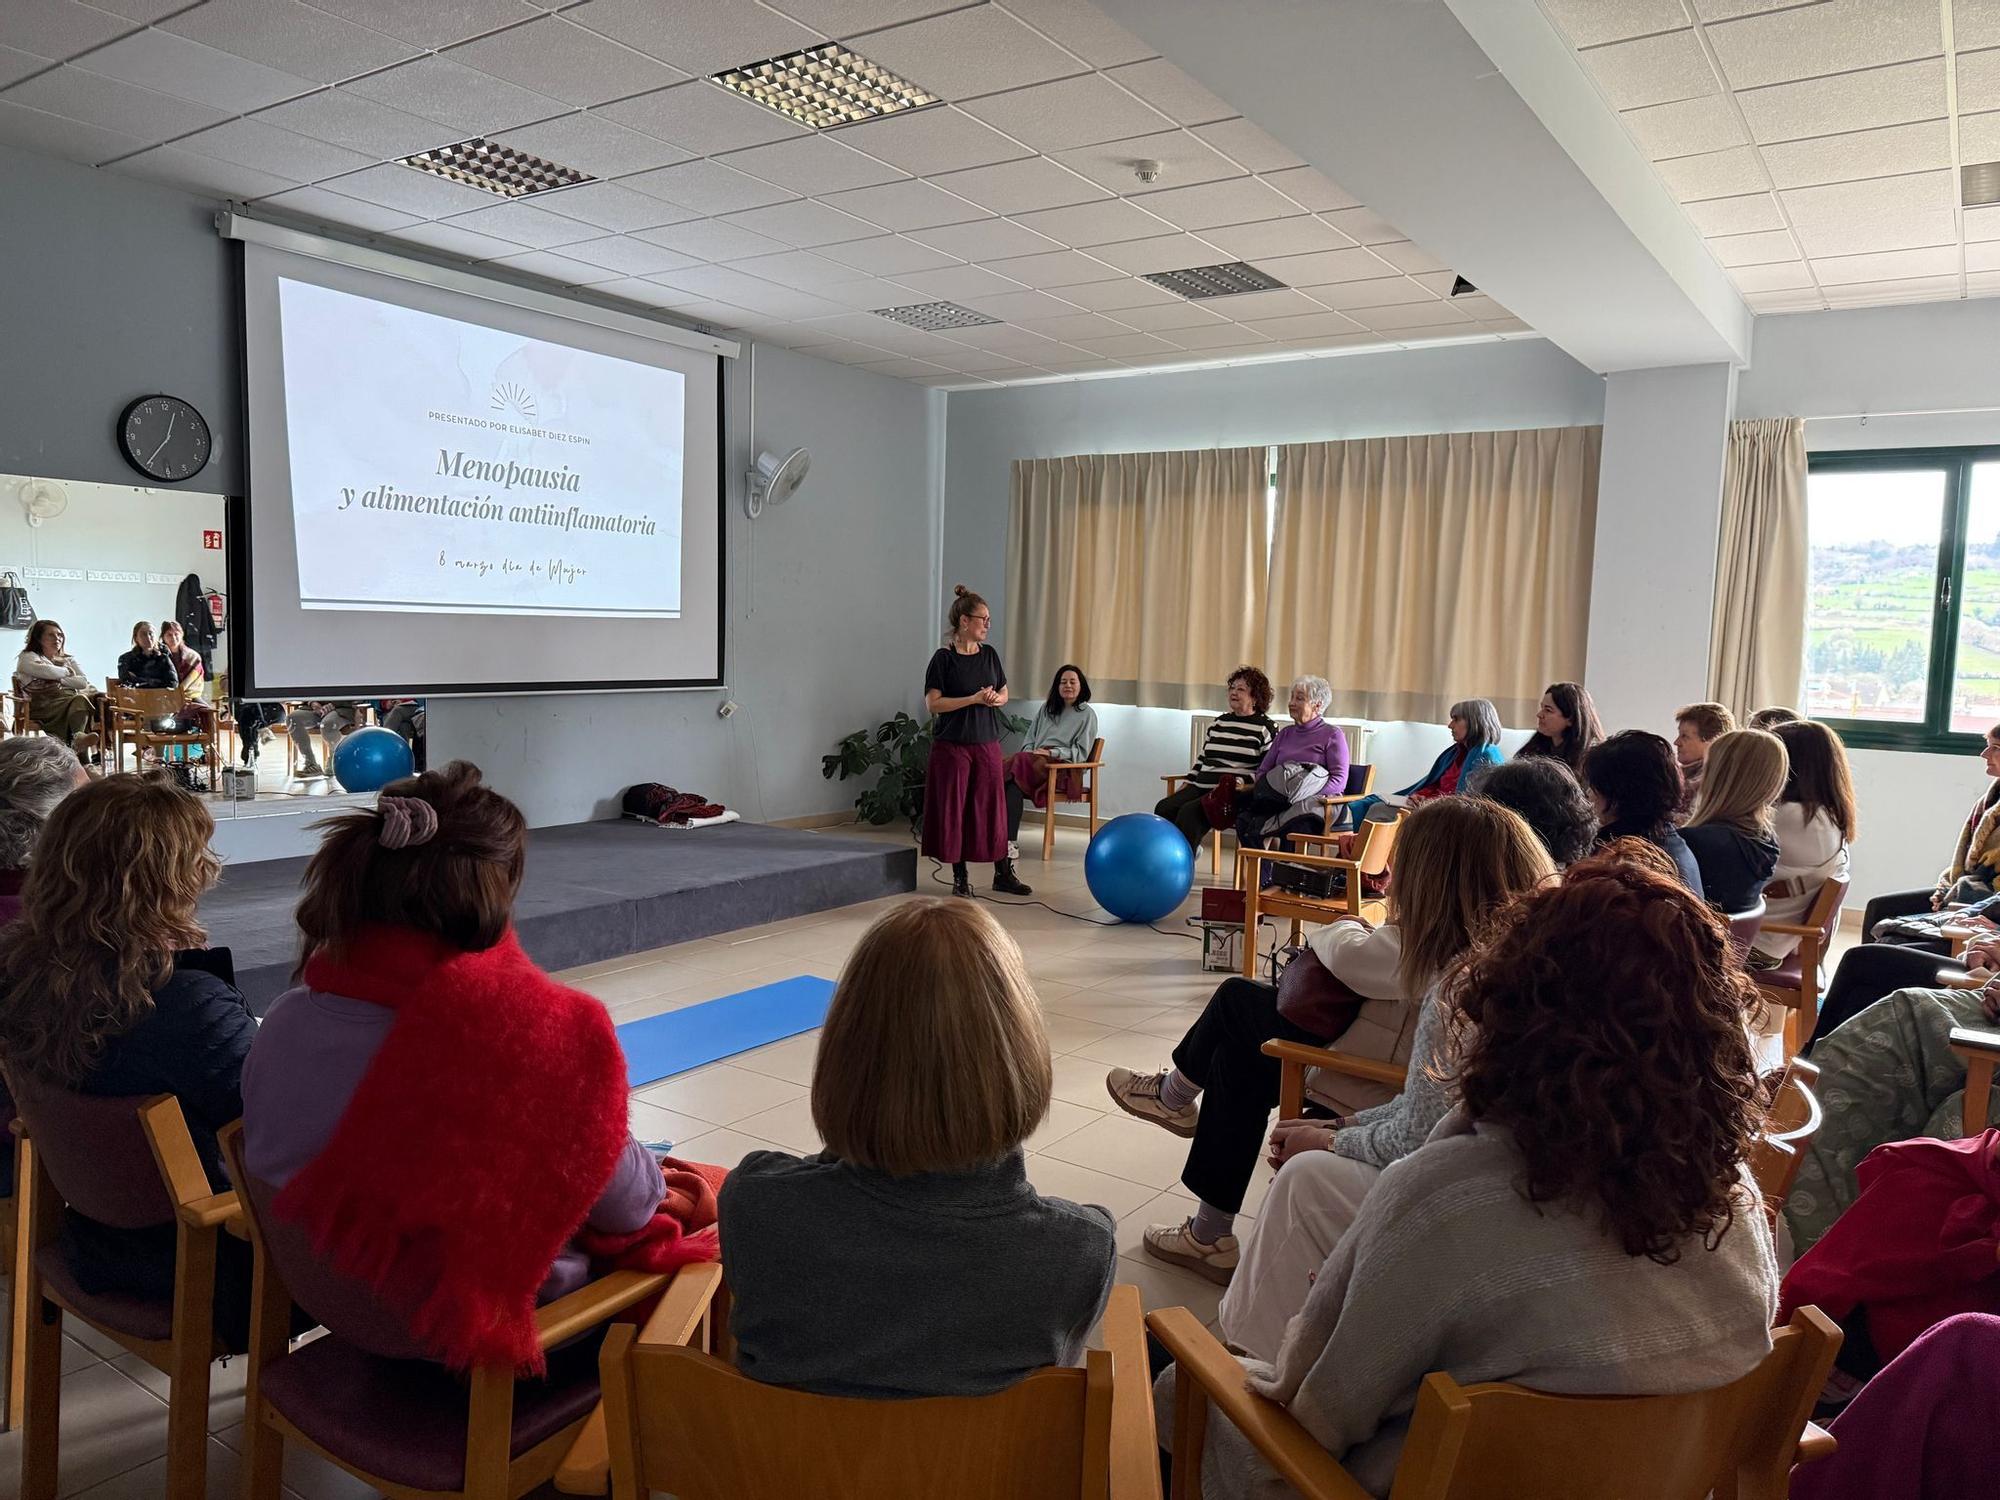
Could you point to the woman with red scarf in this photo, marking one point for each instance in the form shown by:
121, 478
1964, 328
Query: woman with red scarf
446, 1121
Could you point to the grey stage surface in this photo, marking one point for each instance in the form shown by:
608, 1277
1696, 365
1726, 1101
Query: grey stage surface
598, 890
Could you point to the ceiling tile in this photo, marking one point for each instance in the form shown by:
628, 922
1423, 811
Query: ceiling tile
289, 35
1885, 213
909, 204
468, 100
1881, 293
53, 135
888, 255
1777, 276
323, 207
110, 105
812, 164
1749, 214
1326, 267
550, 266
607, 205
1978, 137
1379, 291
593, 145
707, 187
1834, 36
868, 292
1408, 258
1079, 111
1304, 326
1715, 174
1984, 256
1169, 316
1841, 270
1172, 92
985, 239
1302, 234
1280, 303
554, 57
524, 224
1754, 249
252, 143
341, 119
1887, 152
1975, 24
1169, 252
1651, 70
1311, 190
637, 289
1083, 29
805, 224
781, 301
16, 64
1725, 10
696, 36
1861, 100
201, 174
434, 23
710, 239
1982, 224
1126, 345
1183, 160
1035, 311
1090, 224
1590, 23
843, 19
628, 256
1686, 127
174, 65
465, 244
702, 118
1222, 335
1114, 296
1403, 315
140, 10
956, 283
937, 139
800, 270
1246, 145
1208, 205
1016, 187
967, 53
1059, 268
58, 29
1070, 326
1364, 226
1811, 300
1978, 81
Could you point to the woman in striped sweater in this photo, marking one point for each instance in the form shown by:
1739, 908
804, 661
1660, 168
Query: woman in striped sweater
1233, 746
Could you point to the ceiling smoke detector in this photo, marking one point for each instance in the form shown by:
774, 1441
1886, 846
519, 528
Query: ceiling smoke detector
1146, 170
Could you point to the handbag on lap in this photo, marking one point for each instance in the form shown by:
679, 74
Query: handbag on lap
1312, 998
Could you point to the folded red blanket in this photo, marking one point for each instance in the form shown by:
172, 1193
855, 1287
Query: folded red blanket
682, 1231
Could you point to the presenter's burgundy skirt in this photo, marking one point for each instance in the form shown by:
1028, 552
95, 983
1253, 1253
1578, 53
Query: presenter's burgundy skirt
965, 803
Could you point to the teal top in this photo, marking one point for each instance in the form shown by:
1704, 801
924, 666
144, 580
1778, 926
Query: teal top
1067, 735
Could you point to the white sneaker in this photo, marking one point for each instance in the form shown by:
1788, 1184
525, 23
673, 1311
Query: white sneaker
1139, 1094
1176, 1244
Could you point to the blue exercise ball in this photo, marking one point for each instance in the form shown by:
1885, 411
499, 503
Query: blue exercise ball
369, 759
1139, 867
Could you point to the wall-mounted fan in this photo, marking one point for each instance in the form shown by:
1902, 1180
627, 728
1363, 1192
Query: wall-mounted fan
774, 480
43, 499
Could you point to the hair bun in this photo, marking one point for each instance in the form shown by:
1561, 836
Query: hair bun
959, 590
406, 821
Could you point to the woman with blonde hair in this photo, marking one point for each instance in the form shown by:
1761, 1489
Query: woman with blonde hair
956, 1277
1457, 858
1731, 834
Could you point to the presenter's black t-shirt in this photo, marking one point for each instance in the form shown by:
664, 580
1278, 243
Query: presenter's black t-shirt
957, 675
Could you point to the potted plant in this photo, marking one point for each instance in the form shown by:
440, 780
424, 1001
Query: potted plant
900, 749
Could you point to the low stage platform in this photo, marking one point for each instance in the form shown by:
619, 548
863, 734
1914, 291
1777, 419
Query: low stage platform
598, 890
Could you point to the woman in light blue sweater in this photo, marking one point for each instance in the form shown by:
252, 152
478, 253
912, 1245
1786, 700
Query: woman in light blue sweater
1064, 729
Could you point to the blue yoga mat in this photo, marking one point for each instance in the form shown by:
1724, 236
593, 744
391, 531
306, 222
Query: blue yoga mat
661, 1046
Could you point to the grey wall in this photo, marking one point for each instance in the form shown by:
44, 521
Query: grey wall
111, 288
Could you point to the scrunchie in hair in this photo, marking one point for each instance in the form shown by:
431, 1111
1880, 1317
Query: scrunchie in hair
406, 821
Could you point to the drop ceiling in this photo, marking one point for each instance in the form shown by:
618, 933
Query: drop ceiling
1815, 146
1016, 197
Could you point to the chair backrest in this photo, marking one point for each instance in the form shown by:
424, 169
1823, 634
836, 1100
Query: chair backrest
705, 1432
1788, 1133
95, 1150
143, 703
345, 1306
1373, 843
1096, 749
1502, 1442
1743, 927
1360, 780
1825, 911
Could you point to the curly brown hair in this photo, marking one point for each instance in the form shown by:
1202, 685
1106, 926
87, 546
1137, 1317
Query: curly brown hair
1604, 1025
1256, 684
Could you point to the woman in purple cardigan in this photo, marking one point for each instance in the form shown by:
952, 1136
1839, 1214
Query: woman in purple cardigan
1285, 796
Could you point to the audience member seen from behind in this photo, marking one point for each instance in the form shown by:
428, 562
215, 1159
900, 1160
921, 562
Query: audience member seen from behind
1813, 823
1975, 861
1768, 719
1468, 859
1696, 727
1583, 1221
1547, 794
1064, 729
1472, 754
1307, 760
412, 974
955, 1277
1565, 726
965, 802
60, 699
1635, 783
1230, 749
1730, 832
105, 988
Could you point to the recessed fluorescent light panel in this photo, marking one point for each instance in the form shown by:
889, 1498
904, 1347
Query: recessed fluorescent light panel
1199, 283
934, 316
1979, 183
494, 168
825, 86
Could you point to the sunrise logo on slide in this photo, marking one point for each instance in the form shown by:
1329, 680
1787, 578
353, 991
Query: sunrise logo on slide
514, 398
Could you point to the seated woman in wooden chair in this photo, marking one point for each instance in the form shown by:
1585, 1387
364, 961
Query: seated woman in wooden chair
60, 698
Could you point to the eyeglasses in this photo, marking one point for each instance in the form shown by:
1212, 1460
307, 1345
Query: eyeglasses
979, 619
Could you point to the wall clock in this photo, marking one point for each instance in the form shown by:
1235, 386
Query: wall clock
164, 438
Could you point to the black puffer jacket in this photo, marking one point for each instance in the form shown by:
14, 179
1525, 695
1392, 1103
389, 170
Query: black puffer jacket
147, 669
1735, 866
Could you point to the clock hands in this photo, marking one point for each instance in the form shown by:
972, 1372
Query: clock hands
172, 417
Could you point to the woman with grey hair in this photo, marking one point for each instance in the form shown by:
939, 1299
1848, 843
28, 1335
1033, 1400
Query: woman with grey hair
1474, 750
35, 774
1307, 760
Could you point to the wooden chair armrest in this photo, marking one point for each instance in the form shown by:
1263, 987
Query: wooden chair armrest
217, 1211
1343, 797
587, 1306
1272, 1431
1375, 1071
1076, 765
1970, 1043
1815, 1443
1303, 839
1170, 780
1316, 861
586, 1468
686, 1303
1135, 1439
1788, 929
1947, 980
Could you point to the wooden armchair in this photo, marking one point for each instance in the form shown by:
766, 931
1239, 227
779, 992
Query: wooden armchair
1215, 835
1980, 1052
130, 712
128, 1163
1370, 856
1497, 1441
682, 1421
1788, 1133
1360, 783
1795, 984
1089, 770
1297, 1059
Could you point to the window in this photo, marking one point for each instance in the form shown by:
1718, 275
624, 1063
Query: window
1903, 626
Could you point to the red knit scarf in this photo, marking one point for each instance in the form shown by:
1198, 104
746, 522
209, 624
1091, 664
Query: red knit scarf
484, 1129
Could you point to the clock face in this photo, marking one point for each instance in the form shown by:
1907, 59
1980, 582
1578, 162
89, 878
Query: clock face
164, 438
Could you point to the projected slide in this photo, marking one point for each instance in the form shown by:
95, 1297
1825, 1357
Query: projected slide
443, 466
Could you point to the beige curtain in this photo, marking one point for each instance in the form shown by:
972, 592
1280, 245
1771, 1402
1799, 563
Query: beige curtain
1146, 569
1756, 654
1413, 572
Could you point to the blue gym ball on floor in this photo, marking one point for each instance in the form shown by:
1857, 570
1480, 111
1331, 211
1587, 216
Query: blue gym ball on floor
369, 759
1139, 867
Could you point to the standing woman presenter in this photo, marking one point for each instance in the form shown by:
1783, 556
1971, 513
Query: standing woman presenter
965, 799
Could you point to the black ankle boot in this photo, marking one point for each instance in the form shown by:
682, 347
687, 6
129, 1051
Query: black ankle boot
961, 882
1006, 882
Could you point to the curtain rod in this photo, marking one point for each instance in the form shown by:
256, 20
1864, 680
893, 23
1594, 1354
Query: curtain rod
1941, 411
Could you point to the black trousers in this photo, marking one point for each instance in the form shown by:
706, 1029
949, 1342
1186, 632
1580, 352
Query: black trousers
1223, 1053
1873, 970
1015, 801
1182, 808
1895, 904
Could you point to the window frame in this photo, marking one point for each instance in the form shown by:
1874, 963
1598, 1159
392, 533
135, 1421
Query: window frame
1934, 735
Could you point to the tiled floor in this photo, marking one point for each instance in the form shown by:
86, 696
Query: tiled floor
1110, 995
